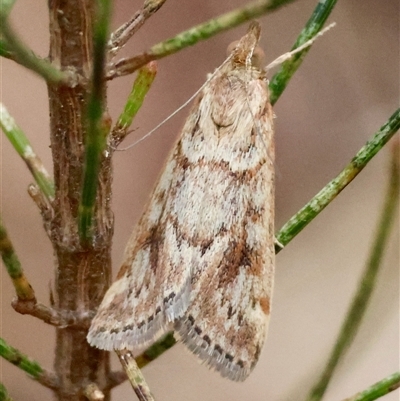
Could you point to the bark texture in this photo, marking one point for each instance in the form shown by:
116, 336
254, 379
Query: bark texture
82, 271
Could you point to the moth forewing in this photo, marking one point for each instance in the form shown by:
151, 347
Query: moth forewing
202, 255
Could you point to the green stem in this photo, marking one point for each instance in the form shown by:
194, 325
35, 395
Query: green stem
26, 364
6, 7
317, 20
135, 100
379, 389
95, 140
4, 393
5, 51
315, 206
193, 35
23, 55
363, 294
21, 284
23, 147
155, 350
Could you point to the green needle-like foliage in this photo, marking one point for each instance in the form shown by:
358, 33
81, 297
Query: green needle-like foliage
21, 144
95, 140
363, 294
379, 389
199, 32
216, 25
141, 86
20, 360
21, 284
306, 214
4, 393
21, 53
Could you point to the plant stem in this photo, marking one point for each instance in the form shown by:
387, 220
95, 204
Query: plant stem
24, 56
155, 350
6, 7
82, 273
317, 20
29, 366
21, 284
363, 294
4, 393
5, 51
23, 147
193, 35
315, 206
135, 375
379, 389
98, 126
26, 302
141, 86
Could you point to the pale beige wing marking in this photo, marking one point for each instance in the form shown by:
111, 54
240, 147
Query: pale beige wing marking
227, 319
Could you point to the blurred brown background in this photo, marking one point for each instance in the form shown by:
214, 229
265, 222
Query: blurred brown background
346, 89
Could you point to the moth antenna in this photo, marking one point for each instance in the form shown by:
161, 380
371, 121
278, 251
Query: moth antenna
290, 54
285, 57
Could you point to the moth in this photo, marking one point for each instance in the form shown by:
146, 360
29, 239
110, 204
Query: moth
201, 259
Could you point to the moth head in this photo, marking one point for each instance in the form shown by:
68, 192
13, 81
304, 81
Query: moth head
257, 56
245, 51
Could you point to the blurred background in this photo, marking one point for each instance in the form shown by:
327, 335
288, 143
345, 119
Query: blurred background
345, 90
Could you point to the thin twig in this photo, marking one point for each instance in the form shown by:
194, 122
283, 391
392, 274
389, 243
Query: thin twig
98, 124
23, 147
367, 283
121, 36
135, 375
135, 100
193, 35
26, 302
315, 206
29, 366
62, 319
21, 284
24, 56
44, 205
379, 389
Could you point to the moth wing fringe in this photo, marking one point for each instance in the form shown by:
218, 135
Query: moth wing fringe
209, 356
130, 339
137, 338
